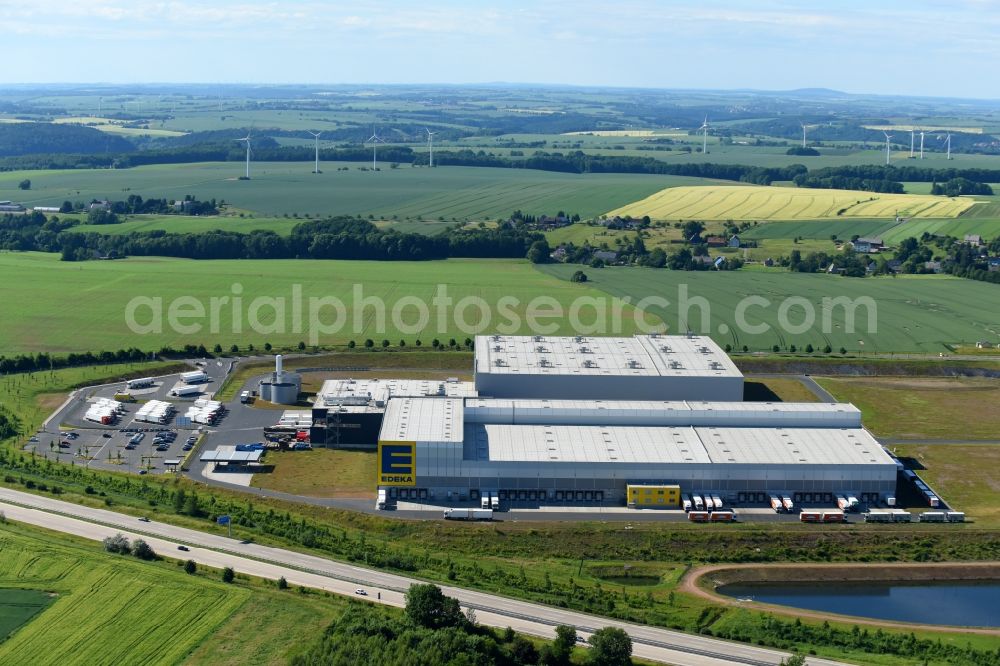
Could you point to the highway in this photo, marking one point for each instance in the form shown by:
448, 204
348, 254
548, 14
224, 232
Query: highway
212, 550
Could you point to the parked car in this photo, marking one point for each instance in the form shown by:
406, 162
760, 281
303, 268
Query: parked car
106, 435
144, 519
184, 548
360, 592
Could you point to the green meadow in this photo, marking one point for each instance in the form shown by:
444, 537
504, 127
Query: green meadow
279, 188
69, 306
910, 314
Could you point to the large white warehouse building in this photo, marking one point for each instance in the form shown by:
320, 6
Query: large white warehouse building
645, 367
591, 451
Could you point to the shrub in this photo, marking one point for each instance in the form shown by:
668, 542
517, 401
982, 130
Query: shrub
228, 575
117, 544
143, 550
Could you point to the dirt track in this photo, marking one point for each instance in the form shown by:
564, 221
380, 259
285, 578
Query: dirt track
694, 583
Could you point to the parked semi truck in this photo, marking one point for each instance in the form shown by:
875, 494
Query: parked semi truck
145, 382
776, 504
468, 514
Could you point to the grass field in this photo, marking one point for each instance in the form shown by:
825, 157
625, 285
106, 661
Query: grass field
43, 315
769, 389
782, 203
320, 473
923, 408
18, 606
819, 229
964, 475
109, 609
452, 193
912, 313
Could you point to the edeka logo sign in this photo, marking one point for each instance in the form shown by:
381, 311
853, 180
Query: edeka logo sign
397, 463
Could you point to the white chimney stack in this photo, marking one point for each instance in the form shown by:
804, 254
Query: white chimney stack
277, 365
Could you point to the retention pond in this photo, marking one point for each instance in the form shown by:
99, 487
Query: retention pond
957, 603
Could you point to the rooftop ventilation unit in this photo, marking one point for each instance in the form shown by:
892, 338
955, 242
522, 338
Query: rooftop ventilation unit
544, 363
541, 350
538, 338
579, 339
497, 348
584, 350
704, 350
675, 365
499, 362
588, 363
634, 364
715, 365
666, 349
496, 338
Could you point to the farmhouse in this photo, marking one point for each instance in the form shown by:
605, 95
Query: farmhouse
715, 241
607, 256
975, 240
866, 245
734, 241
11, 207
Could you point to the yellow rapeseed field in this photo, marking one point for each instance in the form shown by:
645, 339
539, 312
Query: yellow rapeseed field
740, 202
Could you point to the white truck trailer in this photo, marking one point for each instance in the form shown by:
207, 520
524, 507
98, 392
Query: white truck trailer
144, 382
194, 377
468, 514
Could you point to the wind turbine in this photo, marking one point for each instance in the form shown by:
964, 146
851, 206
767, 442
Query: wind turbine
247, 139
430, 144
887, 137
704, 137
315, 136
911, 144
947, 141
921, 144
374, 139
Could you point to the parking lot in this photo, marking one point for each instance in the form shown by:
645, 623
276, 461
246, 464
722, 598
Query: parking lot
106, 446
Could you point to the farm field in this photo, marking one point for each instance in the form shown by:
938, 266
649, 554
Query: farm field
922, 408
180, 224
783, 203
43, 315
819, 229
889, 231
109, 609
277, 188
149, 612
18, 606
912, 313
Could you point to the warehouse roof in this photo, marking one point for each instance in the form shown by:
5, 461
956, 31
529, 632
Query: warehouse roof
665, 445
423, 420
378, 391
640, 412
639, 356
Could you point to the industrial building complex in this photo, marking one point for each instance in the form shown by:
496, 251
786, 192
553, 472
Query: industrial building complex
643, 421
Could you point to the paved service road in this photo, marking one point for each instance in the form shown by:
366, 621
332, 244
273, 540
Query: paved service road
661, 645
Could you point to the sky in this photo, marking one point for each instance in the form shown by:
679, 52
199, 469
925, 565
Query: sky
908, 47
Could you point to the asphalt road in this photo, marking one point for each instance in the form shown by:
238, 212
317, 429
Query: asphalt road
660, 645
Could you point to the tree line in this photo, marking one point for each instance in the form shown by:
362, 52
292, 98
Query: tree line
30, 138
433, 630
336, 238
